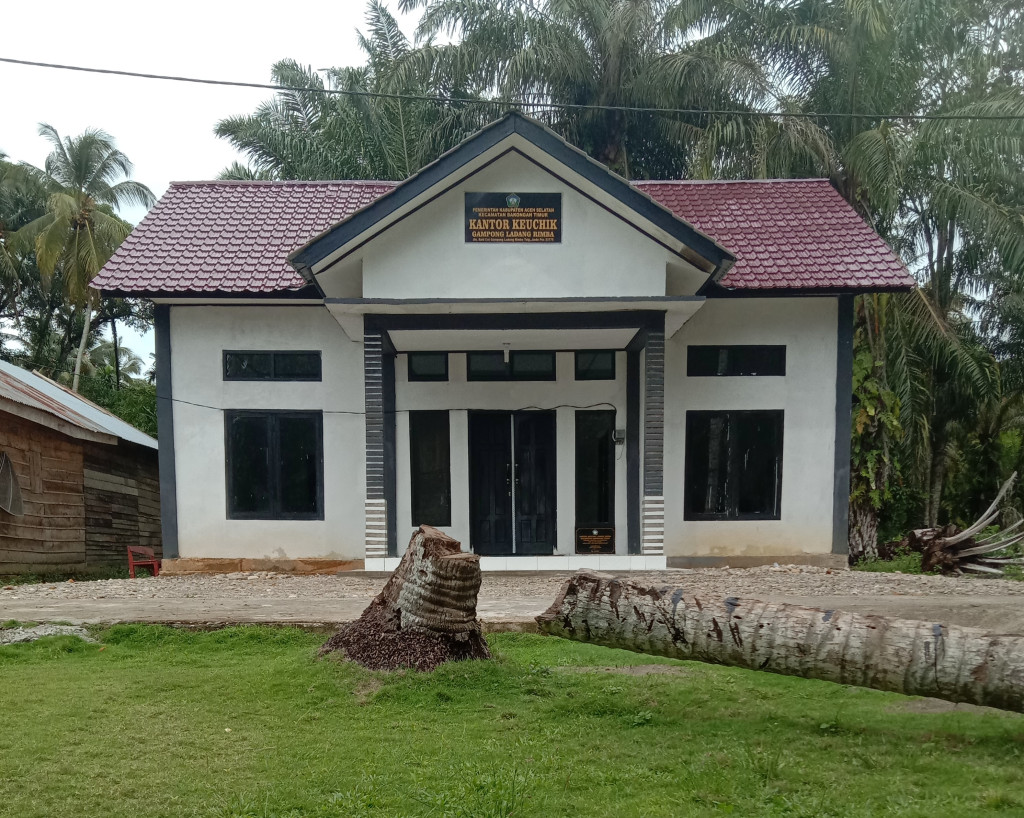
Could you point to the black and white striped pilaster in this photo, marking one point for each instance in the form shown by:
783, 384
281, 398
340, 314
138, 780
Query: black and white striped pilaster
376, 503
653, 506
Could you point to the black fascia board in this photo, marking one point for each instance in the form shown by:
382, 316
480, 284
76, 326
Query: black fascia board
542, 137
624, 319
311, 292
712, 289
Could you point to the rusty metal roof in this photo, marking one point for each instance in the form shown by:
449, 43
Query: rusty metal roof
27, 389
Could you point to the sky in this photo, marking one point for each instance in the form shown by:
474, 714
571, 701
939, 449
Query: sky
165, 128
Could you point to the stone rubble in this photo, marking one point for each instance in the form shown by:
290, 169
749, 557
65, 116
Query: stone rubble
14, 636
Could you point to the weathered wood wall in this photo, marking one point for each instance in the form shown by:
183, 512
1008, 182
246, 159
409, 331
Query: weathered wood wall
122, 501
51, 534
84, 502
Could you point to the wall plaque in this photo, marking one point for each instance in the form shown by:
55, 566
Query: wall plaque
516, 218
595, 540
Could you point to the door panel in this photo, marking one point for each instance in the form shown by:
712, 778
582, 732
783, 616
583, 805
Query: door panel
536, 485
490, 489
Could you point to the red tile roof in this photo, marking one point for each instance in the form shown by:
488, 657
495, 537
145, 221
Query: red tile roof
230, 236
785, 233
234, 237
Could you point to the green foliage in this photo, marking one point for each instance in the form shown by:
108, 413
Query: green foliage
246, 721
134, 402
110, 572
902, 562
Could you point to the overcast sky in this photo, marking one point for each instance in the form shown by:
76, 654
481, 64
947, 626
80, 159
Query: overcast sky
165, 128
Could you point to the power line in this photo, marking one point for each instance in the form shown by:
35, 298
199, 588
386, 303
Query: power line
84, 376
508, 103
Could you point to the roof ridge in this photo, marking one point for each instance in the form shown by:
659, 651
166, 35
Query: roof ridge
393, 183
816, 179
279, 182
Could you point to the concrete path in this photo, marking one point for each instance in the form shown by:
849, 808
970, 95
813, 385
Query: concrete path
997, 614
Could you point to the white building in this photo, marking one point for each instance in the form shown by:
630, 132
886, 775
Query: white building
557, 367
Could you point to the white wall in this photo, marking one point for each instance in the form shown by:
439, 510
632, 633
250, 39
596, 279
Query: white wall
808, 328
198, 336
426, 255
459, 395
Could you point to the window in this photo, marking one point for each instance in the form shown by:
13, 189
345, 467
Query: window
595, 468
486, 366
522, 366
532, 366
428, 366
430, 467
703, 361
275, 465
10, 491
272, 366
595, 365
733, 465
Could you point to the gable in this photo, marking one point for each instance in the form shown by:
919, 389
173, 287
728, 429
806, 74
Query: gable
599, 253
502, 153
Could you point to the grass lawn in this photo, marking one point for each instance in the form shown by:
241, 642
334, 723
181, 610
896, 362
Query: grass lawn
246, 722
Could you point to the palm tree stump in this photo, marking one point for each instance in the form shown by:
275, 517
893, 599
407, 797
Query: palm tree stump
426, 614
899, 655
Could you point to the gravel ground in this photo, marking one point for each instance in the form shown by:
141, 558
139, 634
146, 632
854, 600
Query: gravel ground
749, 582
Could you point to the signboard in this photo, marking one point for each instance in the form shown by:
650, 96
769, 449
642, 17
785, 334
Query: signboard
514, 218
595, 540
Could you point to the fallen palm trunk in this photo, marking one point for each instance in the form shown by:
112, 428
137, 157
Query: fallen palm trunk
952, 551
426, 614
900, 655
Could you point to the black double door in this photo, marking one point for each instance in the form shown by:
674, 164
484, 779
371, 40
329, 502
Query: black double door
512, 485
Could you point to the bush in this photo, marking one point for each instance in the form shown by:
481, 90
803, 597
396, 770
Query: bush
903, 561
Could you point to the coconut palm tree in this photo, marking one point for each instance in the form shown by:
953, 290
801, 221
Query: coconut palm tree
22, 199
86, 179
309, 134
115, 362
605, 53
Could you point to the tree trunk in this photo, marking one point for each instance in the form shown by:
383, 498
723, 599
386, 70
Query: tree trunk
117, 355
426, 614
863, 531
938, 476
82, 344
915, 658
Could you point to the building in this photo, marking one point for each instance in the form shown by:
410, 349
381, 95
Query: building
558, 367
77, 484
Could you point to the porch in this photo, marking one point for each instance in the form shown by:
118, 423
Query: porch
544, 470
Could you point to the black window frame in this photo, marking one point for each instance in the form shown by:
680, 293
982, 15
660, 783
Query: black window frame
274, 354
689, 465
736, 367
508, 373
274, 477
584, 374
416, 377
444, 518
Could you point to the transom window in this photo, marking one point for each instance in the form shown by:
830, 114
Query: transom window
275, 468
242, 365
428, 366
522, 365
595, 365
710, 361
733, 465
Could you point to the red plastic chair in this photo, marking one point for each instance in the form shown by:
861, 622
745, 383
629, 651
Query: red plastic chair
140, 555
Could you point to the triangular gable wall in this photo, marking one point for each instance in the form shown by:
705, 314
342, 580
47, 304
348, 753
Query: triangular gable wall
507, 156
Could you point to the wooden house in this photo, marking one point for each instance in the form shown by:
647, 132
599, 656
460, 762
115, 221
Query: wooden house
77, 484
